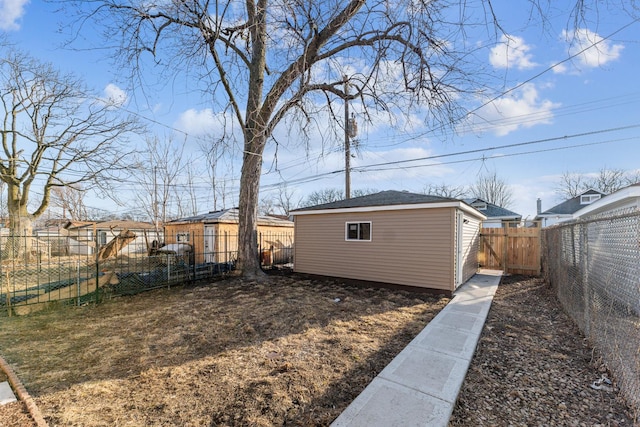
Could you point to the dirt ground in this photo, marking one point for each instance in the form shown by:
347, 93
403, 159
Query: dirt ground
292, 352
533, 367
289, 351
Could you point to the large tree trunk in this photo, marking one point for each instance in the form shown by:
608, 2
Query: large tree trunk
21, 229
248, 260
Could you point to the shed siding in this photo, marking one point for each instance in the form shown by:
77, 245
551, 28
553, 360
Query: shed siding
471, 243
407, 247
226, 238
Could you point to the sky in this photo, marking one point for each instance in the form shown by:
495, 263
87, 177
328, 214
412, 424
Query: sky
568, 101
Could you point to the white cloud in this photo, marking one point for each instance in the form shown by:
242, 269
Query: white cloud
512, 52
115, 96
559, 68
591, 49
10, 13
197, 122
520, 109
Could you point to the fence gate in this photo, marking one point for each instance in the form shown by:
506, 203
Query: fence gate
514, 250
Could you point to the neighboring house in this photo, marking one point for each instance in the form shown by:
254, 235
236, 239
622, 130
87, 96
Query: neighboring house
391, 237
623, 201
565, 210
56, 237
214, 236
85, 235
497, 217
81, 240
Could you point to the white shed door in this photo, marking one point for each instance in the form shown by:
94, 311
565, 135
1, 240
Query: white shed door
459, 251
209, 243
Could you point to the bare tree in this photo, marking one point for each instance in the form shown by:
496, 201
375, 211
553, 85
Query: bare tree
492, 189
632, 177
191, 189
54, 134
325, 195
329, 195
446, 190
609, 180
214, 154
287, 201
184, 190
284, 61
159, 166
572, 184
281, 203
267, 206
70, 200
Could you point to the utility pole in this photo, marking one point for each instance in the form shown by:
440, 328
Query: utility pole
155, 201
347, 148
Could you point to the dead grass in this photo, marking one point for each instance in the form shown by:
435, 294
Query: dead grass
288, 351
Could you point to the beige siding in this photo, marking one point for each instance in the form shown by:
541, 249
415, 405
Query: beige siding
275, 240
226, 239
413, 247
226, 242
196, 237
471, 244
276, 244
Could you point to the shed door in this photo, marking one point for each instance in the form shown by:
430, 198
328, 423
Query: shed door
209, 243
459, 251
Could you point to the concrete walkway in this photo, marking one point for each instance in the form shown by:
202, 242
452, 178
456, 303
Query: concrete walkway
6, 394
421, 385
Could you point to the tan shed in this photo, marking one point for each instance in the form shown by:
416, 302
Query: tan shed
392, 237
214, 236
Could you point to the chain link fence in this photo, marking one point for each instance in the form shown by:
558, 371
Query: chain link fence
594, 267
39, 272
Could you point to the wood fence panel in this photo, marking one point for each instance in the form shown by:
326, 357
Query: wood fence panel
515, 250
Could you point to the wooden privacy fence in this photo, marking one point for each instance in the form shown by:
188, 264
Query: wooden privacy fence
514, 250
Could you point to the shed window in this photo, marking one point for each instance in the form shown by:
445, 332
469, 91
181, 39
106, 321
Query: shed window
358, 231
182, 237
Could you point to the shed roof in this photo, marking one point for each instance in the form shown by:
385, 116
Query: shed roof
390, 198
112, 224
229, 216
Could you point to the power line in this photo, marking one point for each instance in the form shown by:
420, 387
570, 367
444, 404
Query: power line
483, 158
400, 163
520, 144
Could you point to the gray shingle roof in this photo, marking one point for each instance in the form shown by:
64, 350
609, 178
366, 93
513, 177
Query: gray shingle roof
570, 206
383, 198
494, 211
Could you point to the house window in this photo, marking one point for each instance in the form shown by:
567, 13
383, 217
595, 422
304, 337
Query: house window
102, 238
358, 231
182, 237
586, 199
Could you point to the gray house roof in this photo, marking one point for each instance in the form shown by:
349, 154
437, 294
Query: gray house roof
229, 216
622, 201
383, 198
568, 207
493, 211
389, 200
